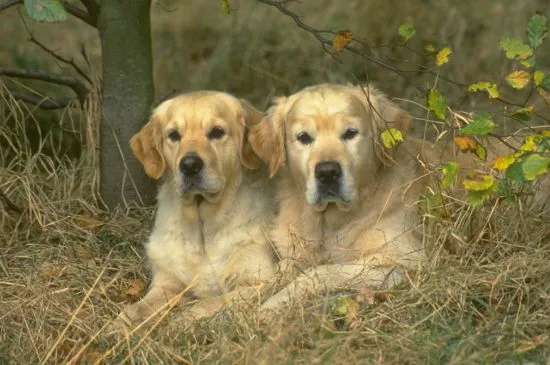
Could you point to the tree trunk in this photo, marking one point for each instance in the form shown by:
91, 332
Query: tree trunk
127, 96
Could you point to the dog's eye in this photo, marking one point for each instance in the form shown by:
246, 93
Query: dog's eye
304, 138
216, 133
349, 134
174, 136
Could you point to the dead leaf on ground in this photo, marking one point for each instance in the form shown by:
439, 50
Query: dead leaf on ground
87, 221
135, 289
365, 295
524, 346
48, 271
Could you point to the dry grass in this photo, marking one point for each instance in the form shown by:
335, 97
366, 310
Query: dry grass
66, 266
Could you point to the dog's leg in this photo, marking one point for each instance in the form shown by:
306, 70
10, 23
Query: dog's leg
161, 292
209, 306
335, 276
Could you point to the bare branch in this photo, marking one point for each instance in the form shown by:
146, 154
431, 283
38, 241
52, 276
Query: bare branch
42, 102
93, 9
318, 34
9, 3
75, 11
61, 59
75, 84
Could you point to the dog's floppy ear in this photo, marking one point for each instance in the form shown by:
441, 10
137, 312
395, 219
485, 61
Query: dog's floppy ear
147, 144
267, 137
384, 114
251, 117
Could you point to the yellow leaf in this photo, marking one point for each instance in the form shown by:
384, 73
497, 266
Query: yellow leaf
501, 163
342, 39
490, 87
466, 143
537, 77
529, 143
479, 182
225, 8
442, 56
546, 133
135, 289
518, 79
390, 137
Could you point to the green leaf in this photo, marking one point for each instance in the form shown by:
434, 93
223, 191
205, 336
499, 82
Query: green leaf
432, 204
50, 11
538, 76
515, 49
514, 173
407, 31
437, 103
450, 171
478, 197
490, 87
524, 114
481, 152
536, 30
535, 165
545, 82
481, 125
529, 62
390, 137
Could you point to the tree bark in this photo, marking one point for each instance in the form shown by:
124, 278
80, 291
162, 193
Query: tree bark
127, 96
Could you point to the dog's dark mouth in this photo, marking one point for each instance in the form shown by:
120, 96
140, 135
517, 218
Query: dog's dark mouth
329, 193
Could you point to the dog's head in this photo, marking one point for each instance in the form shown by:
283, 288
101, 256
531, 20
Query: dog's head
328, 137
199, 139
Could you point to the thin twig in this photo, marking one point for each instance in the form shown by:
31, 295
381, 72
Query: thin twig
75, 11
75, 84
42, 102
60, 58
93, 10
9, 204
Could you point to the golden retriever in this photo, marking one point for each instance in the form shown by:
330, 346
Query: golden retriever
209, 235
347, 204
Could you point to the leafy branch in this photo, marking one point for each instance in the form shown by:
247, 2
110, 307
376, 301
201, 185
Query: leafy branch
56, 10
325, 42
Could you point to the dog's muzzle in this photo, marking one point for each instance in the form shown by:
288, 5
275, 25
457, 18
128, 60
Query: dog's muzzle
328, 175
191, 166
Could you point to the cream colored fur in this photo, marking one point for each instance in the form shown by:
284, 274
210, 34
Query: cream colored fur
369, 236
209, 241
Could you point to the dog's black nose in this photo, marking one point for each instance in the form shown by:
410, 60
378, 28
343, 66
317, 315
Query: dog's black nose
191, 165
328, 172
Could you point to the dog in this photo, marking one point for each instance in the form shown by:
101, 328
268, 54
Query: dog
348, 216
209, 236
